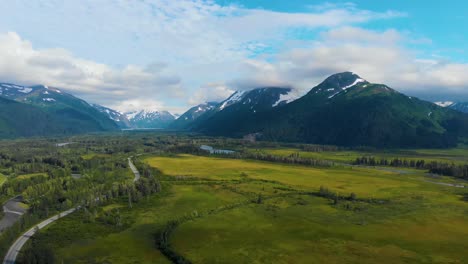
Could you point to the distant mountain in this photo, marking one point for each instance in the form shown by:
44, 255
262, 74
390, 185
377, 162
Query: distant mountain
240, 107
344, 109
184, 121
150, 119
57, 111
119, 118
459, 106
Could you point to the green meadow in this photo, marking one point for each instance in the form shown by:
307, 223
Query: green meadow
246, 211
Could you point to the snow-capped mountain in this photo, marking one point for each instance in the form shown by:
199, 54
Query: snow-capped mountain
258, 99
62, 112
192, 114
149, 118
12, 91
138, 119
344, 109
459, 106
238, 106
119, 118
338, 83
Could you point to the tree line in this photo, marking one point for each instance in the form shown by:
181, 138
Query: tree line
435, 167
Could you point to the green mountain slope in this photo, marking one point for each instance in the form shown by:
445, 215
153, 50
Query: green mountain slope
18, 119
59, 112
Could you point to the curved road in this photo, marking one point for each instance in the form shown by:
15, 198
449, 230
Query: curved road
12, 253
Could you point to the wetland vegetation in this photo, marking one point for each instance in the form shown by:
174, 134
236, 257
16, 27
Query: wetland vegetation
263, 203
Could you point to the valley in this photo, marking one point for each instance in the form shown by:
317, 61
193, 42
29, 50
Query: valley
233, 131
344, 110
265, 202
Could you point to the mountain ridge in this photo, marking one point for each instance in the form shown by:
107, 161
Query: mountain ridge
345, 109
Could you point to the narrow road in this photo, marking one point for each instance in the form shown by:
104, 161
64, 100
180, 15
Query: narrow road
134, 169
10, 257
12, 253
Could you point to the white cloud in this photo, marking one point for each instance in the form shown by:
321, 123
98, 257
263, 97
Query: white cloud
139, 104
23, 64
191, 38
377, 56
211, 92
177, 31
203, 50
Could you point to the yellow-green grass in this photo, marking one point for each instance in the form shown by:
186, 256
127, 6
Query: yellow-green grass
23, 205
345, 180
422, 222
412, 220
285, 231
457, 155
31, 175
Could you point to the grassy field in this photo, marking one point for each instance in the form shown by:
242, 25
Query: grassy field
456, 155
31, 175
242, 211
135, 242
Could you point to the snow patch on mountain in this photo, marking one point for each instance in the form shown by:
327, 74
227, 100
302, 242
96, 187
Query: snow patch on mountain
131, 115
357, 81
287, 98
444, 104
48, 99
19, 88
25, 90
236, 97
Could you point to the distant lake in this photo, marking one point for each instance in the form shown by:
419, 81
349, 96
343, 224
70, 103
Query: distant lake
63, 144
216, 151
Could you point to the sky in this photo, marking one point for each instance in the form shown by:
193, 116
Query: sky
171, 55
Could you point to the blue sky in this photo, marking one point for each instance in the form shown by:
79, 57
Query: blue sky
443, 24
170, 55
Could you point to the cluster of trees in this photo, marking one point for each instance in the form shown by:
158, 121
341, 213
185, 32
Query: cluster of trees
37, 254
292, 159
335, 197
319, 148
460, 171
395, 162
50, 187
442, 168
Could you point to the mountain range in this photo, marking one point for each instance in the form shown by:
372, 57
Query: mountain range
41, 111
150, 119
344, 109
138, 119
